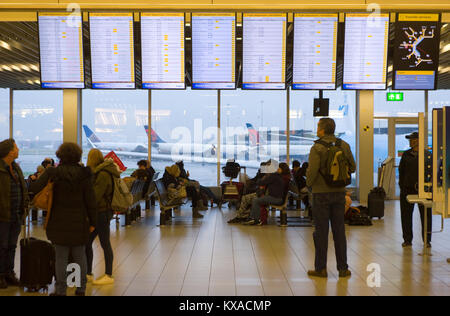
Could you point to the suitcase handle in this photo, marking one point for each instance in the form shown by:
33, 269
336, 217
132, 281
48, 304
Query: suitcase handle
26, 224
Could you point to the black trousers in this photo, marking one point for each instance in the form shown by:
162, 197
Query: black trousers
329, 208
407, 211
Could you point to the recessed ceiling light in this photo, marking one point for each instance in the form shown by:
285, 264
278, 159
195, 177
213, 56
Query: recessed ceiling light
5, 45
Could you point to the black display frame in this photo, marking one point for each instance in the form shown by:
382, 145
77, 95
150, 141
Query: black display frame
285, 48
387, 52
184, 26
39, 51
439, 26
90, 51
293, 54
192, 52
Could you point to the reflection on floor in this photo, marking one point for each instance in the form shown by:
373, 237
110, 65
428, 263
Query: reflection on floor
209, 257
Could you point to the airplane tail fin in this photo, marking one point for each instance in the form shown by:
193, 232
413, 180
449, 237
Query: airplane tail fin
91, 135
253, 135
155, 137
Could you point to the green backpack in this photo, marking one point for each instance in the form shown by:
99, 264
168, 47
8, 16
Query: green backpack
336, 172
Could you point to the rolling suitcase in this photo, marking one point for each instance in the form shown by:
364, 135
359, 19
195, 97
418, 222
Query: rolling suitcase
37, 262
376, 202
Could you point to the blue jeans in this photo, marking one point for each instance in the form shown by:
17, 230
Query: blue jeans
9, 235
102, 230
329, 207
264, 200
62, 259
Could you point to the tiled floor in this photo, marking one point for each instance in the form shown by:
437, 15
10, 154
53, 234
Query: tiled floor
209, 257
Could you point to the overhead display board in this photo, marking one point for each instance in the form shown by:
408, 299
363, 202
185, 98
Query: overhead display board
315, 51
61, 50
213, 50
365, 51
264, 51
112, 50
416, 51
163, 50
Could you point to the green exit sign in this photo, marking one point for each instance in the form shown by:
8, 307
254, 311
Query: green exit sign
394, 96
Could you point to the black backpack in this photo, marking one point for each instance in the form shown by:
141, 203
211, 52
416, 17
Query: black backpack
336, 172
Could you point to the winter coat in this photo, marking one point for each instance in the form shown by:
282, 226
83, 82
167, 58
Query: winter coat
103, 184
5, 185
409, 172
74, 207
171, 175
317, 162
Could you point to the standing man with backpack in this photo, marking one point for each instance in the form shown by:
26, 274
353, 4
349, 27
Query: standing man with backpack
330, 166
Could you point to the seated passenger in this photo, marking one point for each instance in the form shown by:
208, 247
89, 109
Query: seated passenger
252, 185
276, 185
200, 189
39, 171
172, 181
48, 162
144, 172
243, 213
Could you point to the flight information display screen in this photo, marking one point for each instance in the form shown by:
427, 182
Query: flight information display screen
416, 51
365, 51
61, 50
315, 51
162, 42
213, 51
112, 50
264, 51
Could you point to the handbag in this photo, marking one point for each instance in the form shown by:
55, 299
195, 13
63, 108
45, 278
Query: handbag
43, 200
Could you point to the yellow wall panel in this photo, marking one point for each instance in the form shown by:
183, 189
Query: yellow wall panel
15, 2
133, 3
445, 17
289, 2
415, 5
425, 5
9, 16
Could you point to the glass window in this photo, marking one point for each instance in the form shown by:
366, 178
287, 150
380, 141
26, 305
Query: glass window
436, 100
413, 103
253, 128
380, 145
116, 121
38, 126
4, 114
184, 127
303, 125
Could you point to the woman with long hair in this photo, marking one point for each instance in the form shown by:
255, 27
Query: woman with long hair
104, 172
73, 214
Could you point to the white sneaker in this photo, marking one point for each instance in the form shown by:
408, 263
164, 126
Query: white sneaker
104, 280
89, 278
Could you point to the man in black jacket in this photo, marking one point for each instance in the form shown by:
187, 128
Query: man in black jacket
408, 182
13, 202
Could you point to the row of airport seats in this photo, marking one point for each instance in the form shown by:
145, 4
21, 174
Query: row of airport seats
230, 192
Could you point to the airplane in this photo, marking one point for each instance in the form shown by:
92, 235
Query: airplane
163, 150
95, 142
208, 150
277, 148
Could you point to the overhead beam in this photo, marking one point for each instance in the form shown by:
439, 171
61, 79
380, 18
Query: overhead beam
234, 5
